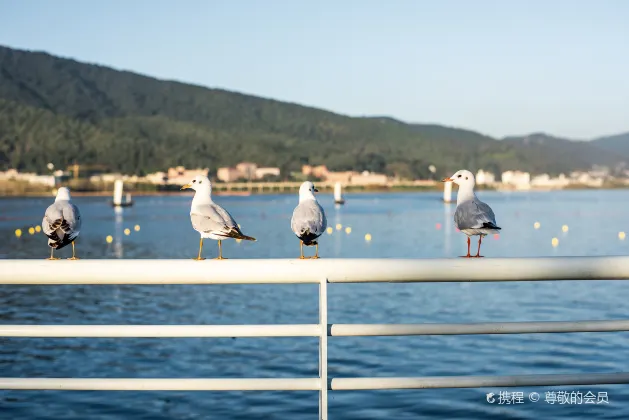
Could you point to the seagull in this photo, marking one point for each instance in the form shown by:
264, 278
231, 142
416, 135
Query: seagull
308, 221
472, 216
209, 219
62, 223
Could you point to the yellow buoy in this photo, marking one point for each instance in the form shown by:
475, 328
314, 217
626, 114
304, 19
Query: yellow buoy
339, 226
37, 228
18, 232
621, 236
127, 231
31, 230
109, 239
136, 228
368, 237
536, 225
555, 242
348, 230
329, 230
564, 228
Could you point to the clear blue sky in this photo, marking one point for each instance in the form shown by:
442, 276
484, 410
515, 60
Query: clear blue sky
501, 67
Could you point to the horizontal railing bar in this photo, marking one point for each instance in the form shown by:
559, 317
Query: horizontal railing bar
267, 271
348, 330
153, 331
308, 384
347, 384
161, 384
309, 330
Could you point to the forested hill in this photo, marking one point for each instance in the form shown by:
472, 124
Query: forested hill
59, 110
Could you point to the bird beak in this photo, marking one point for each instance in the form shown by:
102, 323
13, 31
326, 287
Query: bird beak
316, 190
185, 187
447, 179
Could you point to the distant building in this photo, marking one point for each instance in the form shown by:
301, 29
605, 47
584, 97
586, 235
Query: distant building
485, 178
587, 178
517, 179
228, 174
262, 172
320, 171
156, 178
247, 169
31, 178
181, 176
356, 178
545, 181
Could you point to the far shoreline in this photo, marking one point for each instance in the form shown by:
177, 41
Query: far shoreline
347, 191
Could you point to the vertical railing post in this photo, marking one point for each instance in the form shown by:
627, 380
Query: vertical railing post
323, 349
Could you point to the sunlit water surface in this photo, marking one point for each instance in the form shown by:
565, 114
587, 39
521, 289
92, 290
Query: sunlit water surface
402, 225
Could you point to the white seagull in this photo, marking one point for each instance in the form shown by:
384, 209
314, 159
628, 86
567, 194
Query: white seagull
209, 219
308, 221
62, 223
472, 216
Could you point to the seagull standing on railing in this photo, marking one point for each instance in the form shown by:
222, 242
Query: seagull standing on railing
472, 216
62, 223
209, 219
308, 221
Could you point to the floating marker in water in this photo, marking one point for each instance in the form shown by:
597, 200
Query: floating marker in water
329, 230
18, 232
621, 236
348, 230
564, 228
137, 228
368, 237
496, 236
339, 226
37, 228
536, 225
438, 226
109, 239
127, 231
31, 230
555, 242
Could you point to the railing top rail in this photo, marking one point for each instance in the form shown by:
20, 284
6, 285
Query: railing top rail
335, 270
310, 330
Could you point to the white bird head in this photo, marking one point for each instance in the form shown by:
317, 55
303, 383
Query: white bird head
462, 178
306, 191
63, 193
199, 183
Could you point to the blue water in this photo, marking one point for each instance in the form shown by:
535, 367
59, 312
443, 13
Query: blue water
402, 225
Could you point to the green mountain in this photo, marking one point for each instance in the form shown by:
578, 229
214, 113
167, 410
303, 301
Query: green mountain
618, 144
63, 111
582, 154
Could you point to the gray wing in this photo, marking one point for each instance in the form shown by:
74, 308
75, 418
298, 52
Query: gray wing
214, 219
61, 223
474, 215
209, 219
308, 218
72, 216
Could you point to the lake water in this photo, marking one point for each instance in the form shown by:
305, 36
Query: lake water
402, 225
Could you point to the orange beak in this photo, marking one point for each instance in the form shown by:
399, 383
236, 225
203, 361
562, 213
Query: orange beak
448, 179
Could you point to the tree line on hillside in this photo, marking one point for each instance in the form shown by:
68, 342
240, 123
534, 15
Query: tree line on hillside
63, 111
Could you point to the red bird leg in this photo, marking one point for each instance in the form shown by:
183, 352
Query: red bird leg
480, 238
468, 249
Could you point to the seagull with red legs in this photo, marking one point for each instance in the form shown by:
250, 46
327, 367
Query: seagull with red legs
472, 216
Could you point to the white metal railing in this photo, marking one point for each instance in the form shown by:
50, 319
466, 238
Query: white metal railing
320, 272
